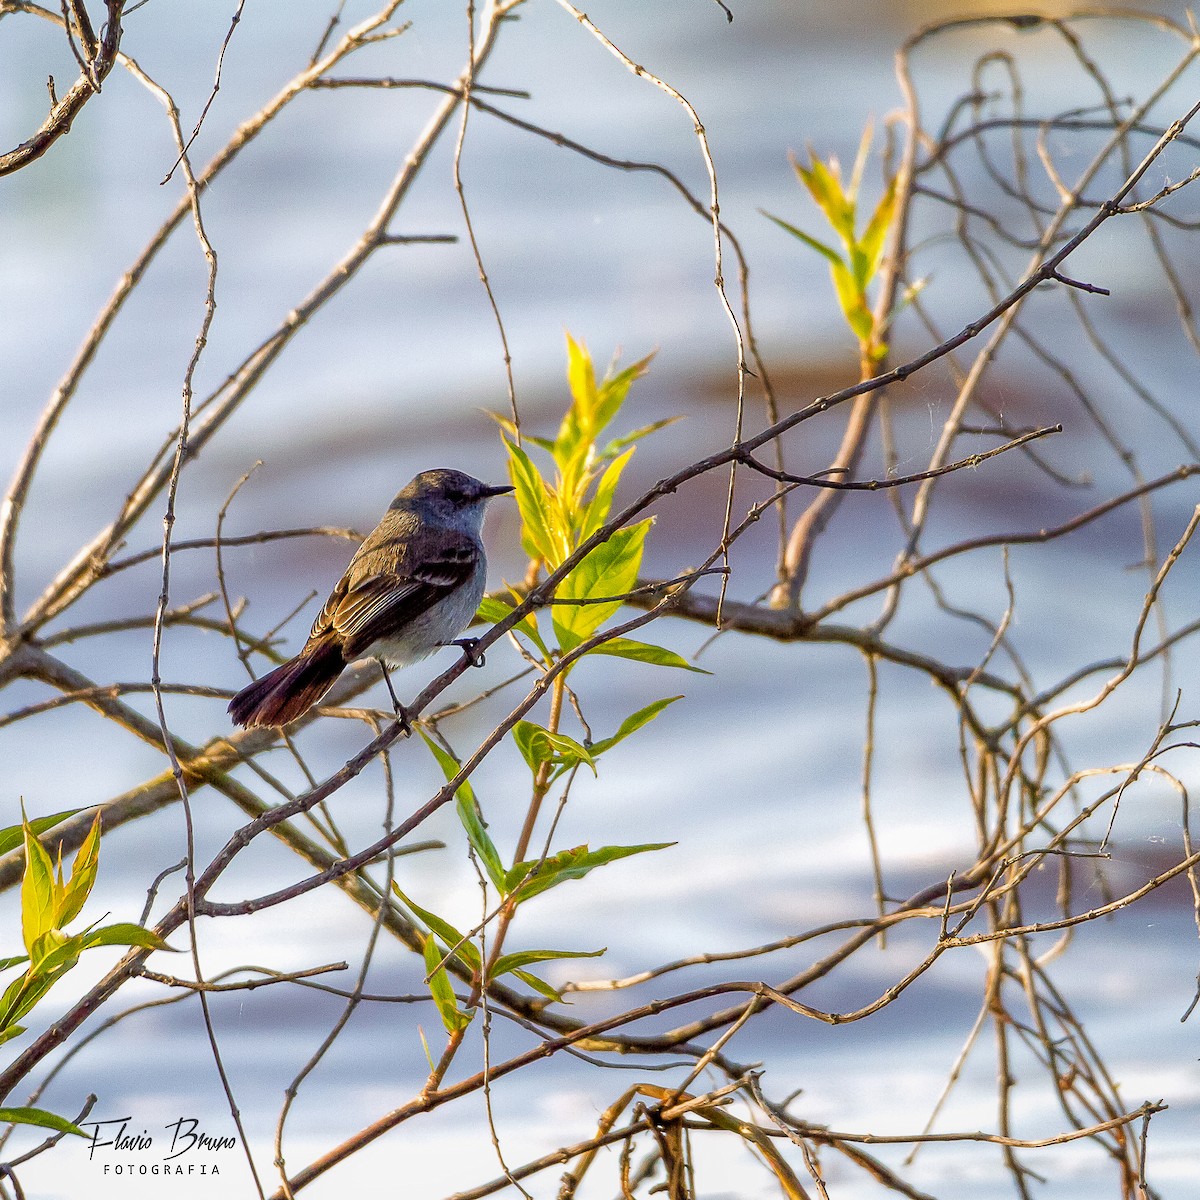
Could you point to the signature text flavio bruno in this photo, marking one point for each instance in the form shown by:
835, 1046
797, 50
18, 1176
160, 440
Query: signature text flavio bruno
180, 1138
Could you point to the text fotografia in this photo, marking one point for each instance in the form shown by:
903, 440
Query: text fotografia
177, 1150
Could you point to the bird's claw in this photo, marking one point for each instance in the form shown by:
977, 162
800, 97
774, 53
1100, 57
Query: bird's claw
467, 646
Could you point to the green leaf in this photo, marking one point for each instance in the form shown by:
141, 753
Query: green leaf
826, 189
8, 1032
12, 837
860, 269
619, 444
828, 251
573, 440
596, 511
494, 610
464, 948
853, 304
647, 653
517, 435
453, 1018
38, 891
533, 501
54, 953
522, 735
481, 843
538, 746
539, 985
23, 994
83, 876
875, 234
613, 391
11, 998
610, 570
633, 723
581, 379
528, 879
125, 933
450, 766
39, 1116
468, 813
6, 963
522, 958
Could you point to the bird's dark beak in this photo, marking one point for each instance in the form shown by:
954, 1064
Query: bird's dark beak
499, 489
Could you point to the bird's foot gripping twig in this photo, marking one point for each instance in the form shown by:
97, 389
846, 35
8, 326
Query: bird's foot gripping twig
467, 646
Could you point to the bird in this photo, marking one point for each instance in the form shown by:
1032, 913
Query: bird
413, 586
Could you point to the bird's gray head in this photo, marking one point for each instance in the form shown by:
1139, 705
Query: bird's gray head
448, 497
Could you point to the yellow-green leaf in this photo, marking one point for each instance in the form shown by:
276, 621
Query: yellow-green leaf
875, 235
125, 933
613, 391
826, 190
596, 511
83, 876
647, 653
533, 501
581, 379
860, 268
853, 304
38, 893
53, 951
606, 574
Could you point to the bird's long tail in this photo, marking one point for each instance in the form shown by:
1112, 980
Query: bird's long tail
291, 690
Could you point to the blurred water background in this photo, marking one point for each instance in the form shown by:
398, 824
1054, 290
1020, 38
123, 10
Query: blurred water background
394, 376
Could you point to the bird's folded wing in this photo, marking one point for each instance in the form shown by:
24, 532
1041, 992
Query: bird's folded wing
377, 600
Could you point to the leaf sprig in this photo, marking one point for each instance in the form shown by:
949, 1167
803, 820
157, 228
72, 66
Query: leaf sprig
855, 266
51, 900
559, 511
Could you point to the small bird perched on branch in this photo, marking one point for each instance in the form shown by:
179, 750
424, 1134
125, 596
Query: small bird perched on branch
413, 585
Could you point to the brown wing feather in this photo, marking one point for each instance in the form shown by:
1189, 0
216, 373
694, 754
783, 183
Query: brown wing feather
388, 584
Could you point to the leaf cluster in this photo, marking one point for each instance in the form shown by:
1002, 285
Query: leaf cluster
854, 267
563, 508
515, 884
51, 900
560, 509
